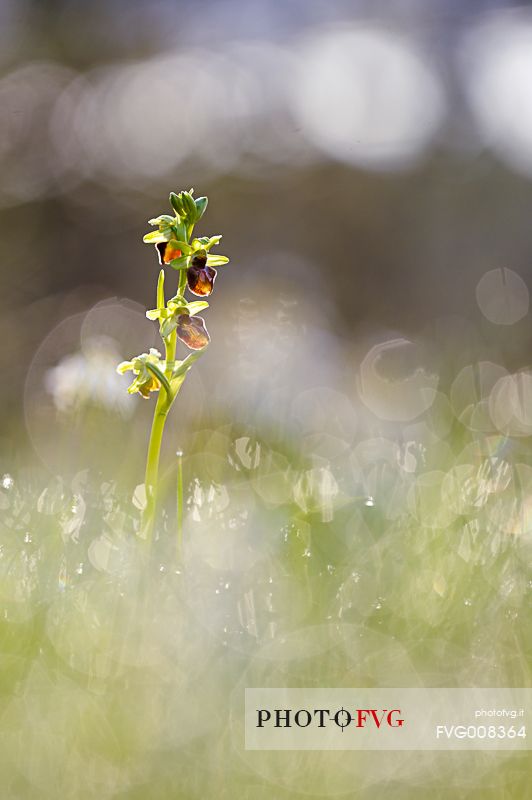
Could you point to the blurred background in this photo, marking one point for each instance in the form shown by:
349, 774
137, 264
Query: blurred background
356, 438
369, 164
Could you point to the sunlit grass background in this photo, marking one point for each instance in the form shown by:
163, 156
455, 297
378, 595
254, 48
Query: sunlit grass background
356, 440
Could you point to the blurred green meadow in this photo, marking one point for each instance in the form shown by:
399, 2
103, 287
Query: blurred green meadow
356, 441
316, 550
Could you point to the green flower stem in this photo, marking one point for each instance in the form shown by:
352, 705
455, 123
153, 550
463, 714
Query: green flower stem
182, 285
164, 403
163, 406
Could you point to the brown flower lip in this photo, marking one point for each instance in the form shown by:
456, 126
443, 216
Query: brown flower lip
167, 252
200, 277
192, 332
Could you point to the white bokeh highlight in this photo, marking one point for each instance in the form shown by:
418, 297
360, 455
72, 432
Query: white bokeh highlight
503, 296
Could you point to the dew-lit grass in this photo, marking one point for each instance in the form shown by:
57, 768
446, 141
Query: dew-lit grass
124, 668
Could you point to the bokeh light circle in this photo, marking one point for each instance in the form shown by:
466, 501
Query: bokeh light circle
503, 296
394, 381
496, 65
367, 96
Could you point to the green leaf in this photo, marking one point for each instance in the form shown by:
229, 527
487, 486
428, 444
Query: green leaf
161, 303
216, 261
185, 365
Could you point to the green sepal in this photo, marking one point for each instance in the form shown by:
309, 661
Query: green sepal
177, 301
216, 261
154, 237
185, 248
124, 366
196, 306
205, 242
159, 313
164, 220
135, 385
179, 263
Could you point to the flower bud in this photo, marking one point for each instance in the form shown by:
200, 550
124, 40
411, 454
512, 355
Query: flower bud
201, 205
177, 204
